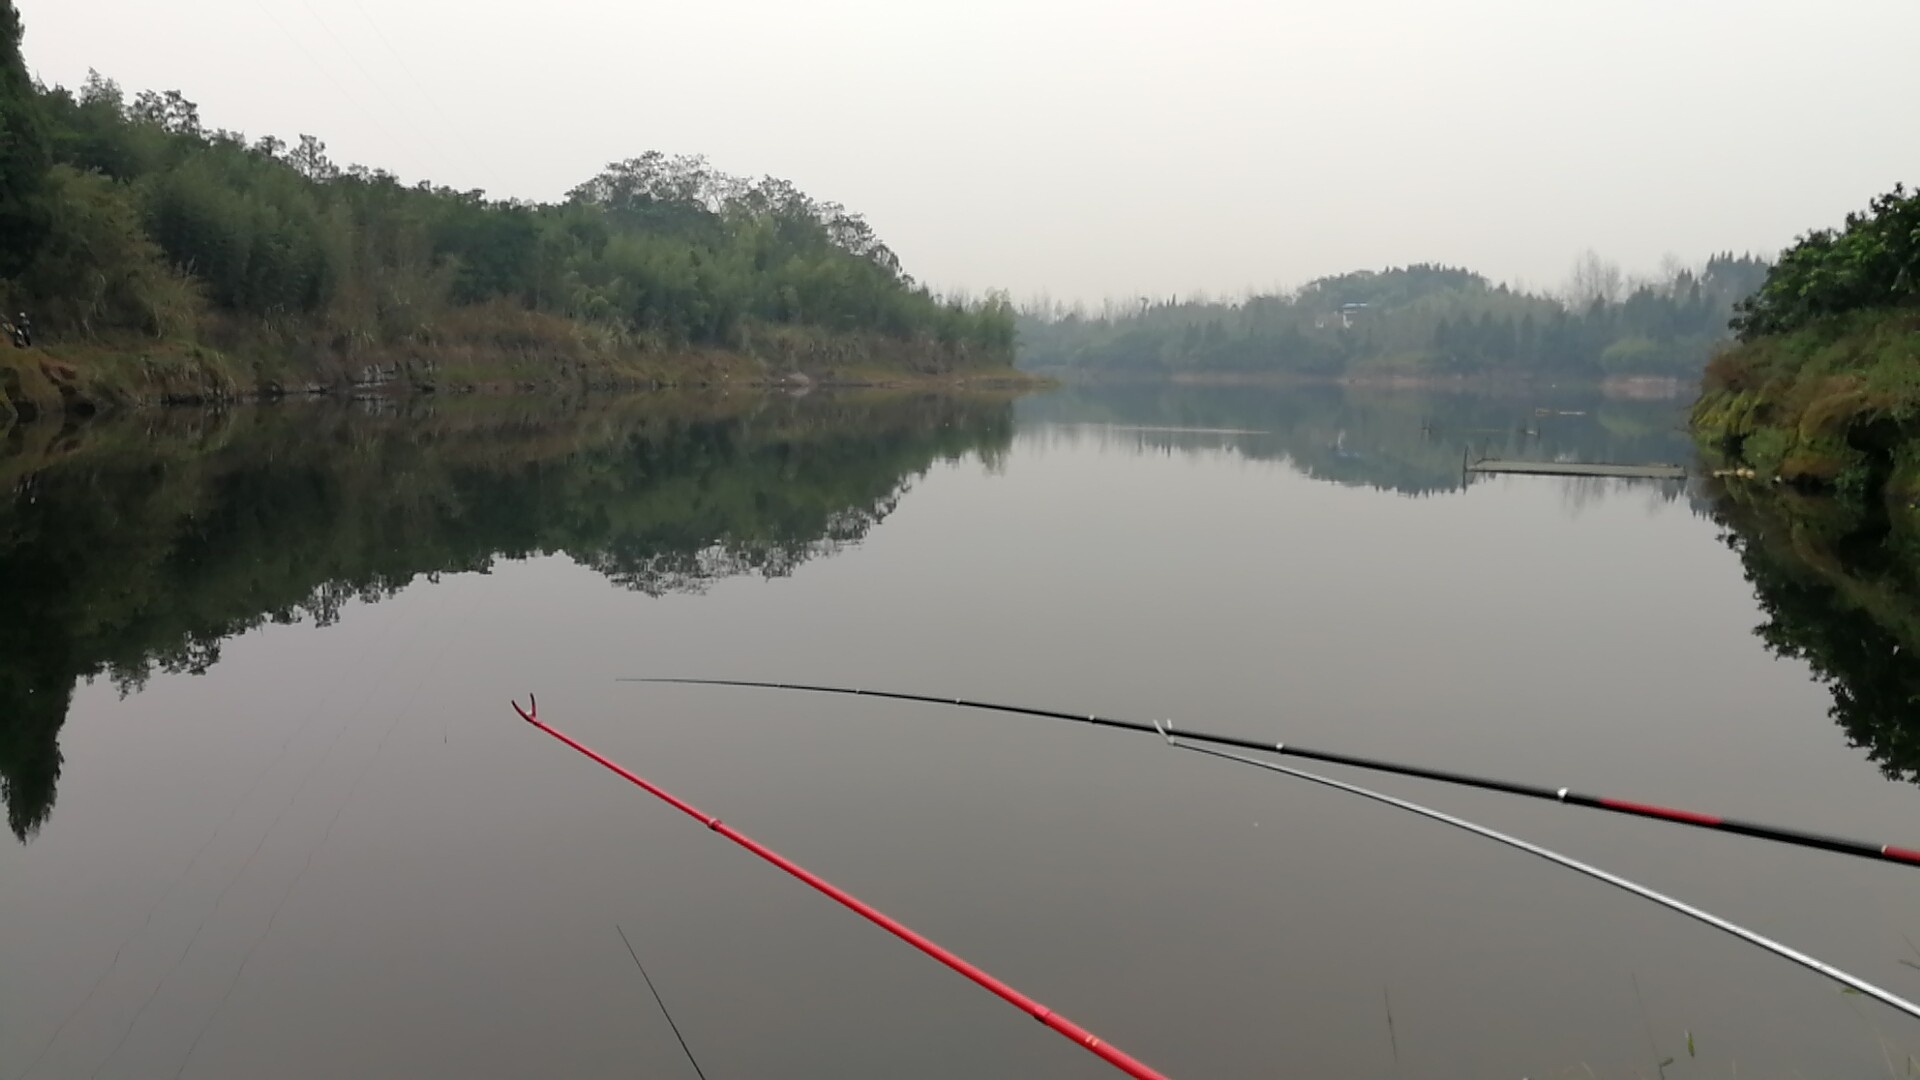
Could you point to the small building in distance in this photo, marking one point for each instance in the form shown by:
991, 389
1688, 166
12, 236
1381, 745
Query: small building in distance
1344, 317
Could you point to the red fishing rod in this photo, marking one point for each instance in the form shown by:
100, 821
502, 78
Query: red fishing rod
1087, 1040
1779, 834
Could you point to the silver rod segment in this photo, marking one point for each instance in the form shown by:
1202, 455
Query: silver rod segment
1851, 981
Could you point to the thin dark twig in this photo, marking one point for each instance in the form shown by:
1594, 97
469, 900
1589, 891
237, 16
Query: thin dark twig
662, 1004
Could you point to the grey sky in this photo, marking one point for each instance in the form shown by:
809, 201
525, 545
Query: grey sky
1092, 148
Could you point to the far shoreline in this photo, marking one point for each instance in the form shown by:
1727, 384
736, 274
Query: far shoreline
76, 382
1616, 387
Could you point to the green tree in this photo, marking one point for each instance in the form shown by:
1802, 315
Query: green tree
96, 268
25, 152
1873, 262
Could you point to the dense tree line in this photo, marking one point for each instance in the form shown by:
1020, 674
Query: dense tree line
128, 214
1414, 320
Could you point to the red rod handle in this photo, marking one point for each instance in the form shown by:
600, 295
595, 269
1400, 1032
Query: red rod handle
1086, 1039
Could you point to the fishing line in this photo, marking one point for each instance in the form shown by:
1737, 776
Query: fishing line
314, 714
1853, 982
321, 68
221, 898
372, 83
300, 789
425, 94
663, 1005
1776, 833
345, 801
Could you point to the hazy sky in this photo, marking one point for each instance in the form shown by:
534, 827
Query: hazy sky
1096, 147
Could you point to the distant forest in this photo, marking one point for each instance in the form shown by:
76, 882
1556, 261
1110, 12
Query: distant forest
1421, 320
126, 216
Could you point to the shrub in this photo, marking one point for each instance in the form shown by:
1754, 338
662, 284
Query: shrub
1874, 262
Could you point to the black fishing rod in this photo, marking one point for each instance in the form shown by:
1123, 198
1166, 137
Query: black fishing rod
1778, 834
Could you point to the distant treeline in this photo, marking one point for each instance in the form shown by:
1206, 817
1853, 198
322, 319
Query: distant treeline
126, 215
1421, 320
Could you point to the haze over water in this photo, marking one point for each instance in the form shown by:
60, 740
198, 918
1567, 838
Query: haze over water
336, 852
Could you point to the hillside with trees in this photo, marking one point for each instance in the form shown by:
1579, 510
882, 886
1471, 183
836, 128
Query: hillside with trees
1823, 387
1420, 321
156, 253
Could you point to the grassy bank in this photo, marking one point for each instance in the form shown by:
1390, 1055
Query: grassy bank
1823, 389
494, 349
1834, 405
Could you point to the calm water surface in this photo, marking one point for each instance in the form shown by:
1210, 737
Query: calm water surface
275, 818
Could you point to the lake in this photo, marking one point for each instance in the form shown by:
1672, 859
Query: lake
272, 815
